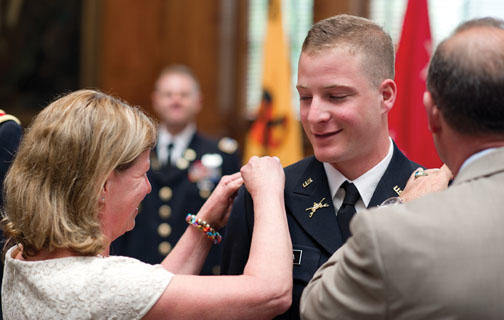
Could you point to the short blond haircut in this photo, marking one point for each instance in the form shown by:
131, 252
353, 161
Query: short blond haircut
53, 186
180, 69
360, 36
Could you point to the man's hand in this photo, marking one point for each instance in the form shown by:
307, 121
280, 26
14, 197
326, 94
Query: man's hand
422, 182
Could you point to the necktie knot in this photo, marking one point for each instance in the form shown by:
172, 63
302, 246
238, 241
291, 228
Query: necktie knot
351, 193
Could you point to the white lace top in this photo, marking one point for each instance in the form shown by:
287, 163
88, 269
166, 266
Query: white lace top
81, 288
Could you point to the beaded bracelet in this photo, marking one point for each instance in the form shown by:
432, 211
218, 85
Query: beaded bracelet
205, 227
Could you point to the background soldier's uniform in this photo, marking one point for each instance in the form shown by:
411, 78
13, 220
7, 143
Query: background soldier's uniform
10, 136
177, 190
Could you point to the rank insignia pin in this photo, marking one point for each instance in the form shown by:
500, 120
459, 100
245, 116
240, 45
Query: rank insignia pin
316, 206
397, 190
307, 182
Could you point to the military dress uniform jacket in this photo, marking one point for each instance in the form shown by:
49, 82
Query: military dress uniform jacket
314, 239
10, 136
177, 190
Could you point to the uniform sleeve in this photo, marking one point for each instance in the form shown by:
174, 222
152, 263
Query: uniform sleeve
350, 284
236, 245
10, 135
232, 163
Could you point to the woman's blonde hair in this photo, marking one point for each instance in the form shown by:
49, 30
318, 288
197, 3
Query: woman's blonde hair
53, 187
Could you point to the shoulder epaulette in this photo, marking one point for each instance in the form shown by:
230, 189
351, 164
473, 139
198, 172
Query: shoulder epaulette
6, 117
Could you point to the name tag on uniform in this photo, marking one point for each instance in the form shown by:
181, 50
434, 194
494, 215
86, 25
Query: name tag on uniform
296, 256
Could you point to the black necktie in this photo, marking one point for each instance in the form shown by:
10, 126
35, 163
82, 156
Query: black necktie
170, 149
347, 209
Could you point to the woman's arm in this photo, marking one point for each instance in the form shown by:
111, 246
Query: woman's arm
189, 255
265, 288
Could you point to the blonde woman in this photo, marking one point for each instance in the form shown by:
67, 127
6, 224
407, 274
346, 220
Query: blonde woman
74, 187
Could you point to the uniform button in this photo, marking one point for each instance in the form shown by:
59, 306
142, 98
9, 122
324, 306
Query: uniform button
182, 163
164, 248
216, 270
165, 193
165, 211
164, 229
190, 154
204, 193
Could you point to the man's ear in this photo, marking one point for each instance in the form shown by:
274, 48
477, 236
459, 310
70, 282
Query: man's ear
433, 113
388, 92
200, 103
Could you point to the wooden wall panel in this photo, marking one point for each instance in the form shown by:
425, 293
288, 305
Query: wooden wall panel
190, 36
326, 8
141, 37
130, 46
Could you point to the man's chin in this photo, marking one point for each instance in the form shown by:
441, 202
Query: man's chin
326, 156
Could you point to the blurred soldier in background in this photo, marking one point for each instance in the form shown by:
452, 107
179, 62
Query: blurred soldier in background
185, 167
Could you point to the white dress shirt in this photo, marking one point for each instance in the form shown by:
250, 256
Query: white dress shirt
180, 143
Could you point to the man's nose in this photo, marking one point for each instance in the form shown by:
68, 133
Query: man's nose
318, 111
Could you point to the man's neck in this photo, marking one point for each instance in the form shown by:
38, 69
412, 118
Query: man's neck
175, 130
468, 146
354, 168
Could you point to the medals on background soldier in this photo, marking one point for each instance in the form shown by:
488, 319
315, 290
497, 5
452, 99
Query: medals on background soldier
316, 206
227, 145
206, 173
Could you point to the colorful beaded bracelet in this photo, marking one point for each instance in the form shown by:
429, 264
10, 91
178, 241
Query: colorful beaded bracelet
205, 227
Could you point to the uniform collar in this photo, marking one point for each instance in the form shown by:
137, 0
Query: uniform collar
180, 141
366, 183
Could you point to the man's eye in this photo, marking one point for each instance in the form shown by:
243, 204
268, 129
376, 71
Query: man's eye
337, 97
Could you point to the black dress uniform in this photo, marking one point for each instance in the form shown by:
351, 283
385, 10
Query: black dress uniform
10, 135
314, 239
178, 189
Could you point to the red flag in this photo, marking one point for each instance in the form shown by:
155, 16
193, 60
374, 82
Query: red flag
407, 119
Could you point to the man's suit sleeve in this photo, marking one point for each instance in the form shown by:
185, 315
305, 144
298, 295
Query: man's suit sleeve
350, 284
236, 245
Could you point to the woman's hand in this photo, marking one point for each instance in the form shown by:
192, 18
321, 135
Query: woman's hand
217, 208
263, 175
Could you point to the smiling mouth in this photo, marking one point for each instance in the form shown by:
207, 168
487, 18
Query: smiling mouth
326, 135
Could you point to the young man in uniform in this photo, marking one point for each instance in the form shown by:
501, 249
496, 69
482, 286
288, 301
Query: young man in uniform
346, 89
